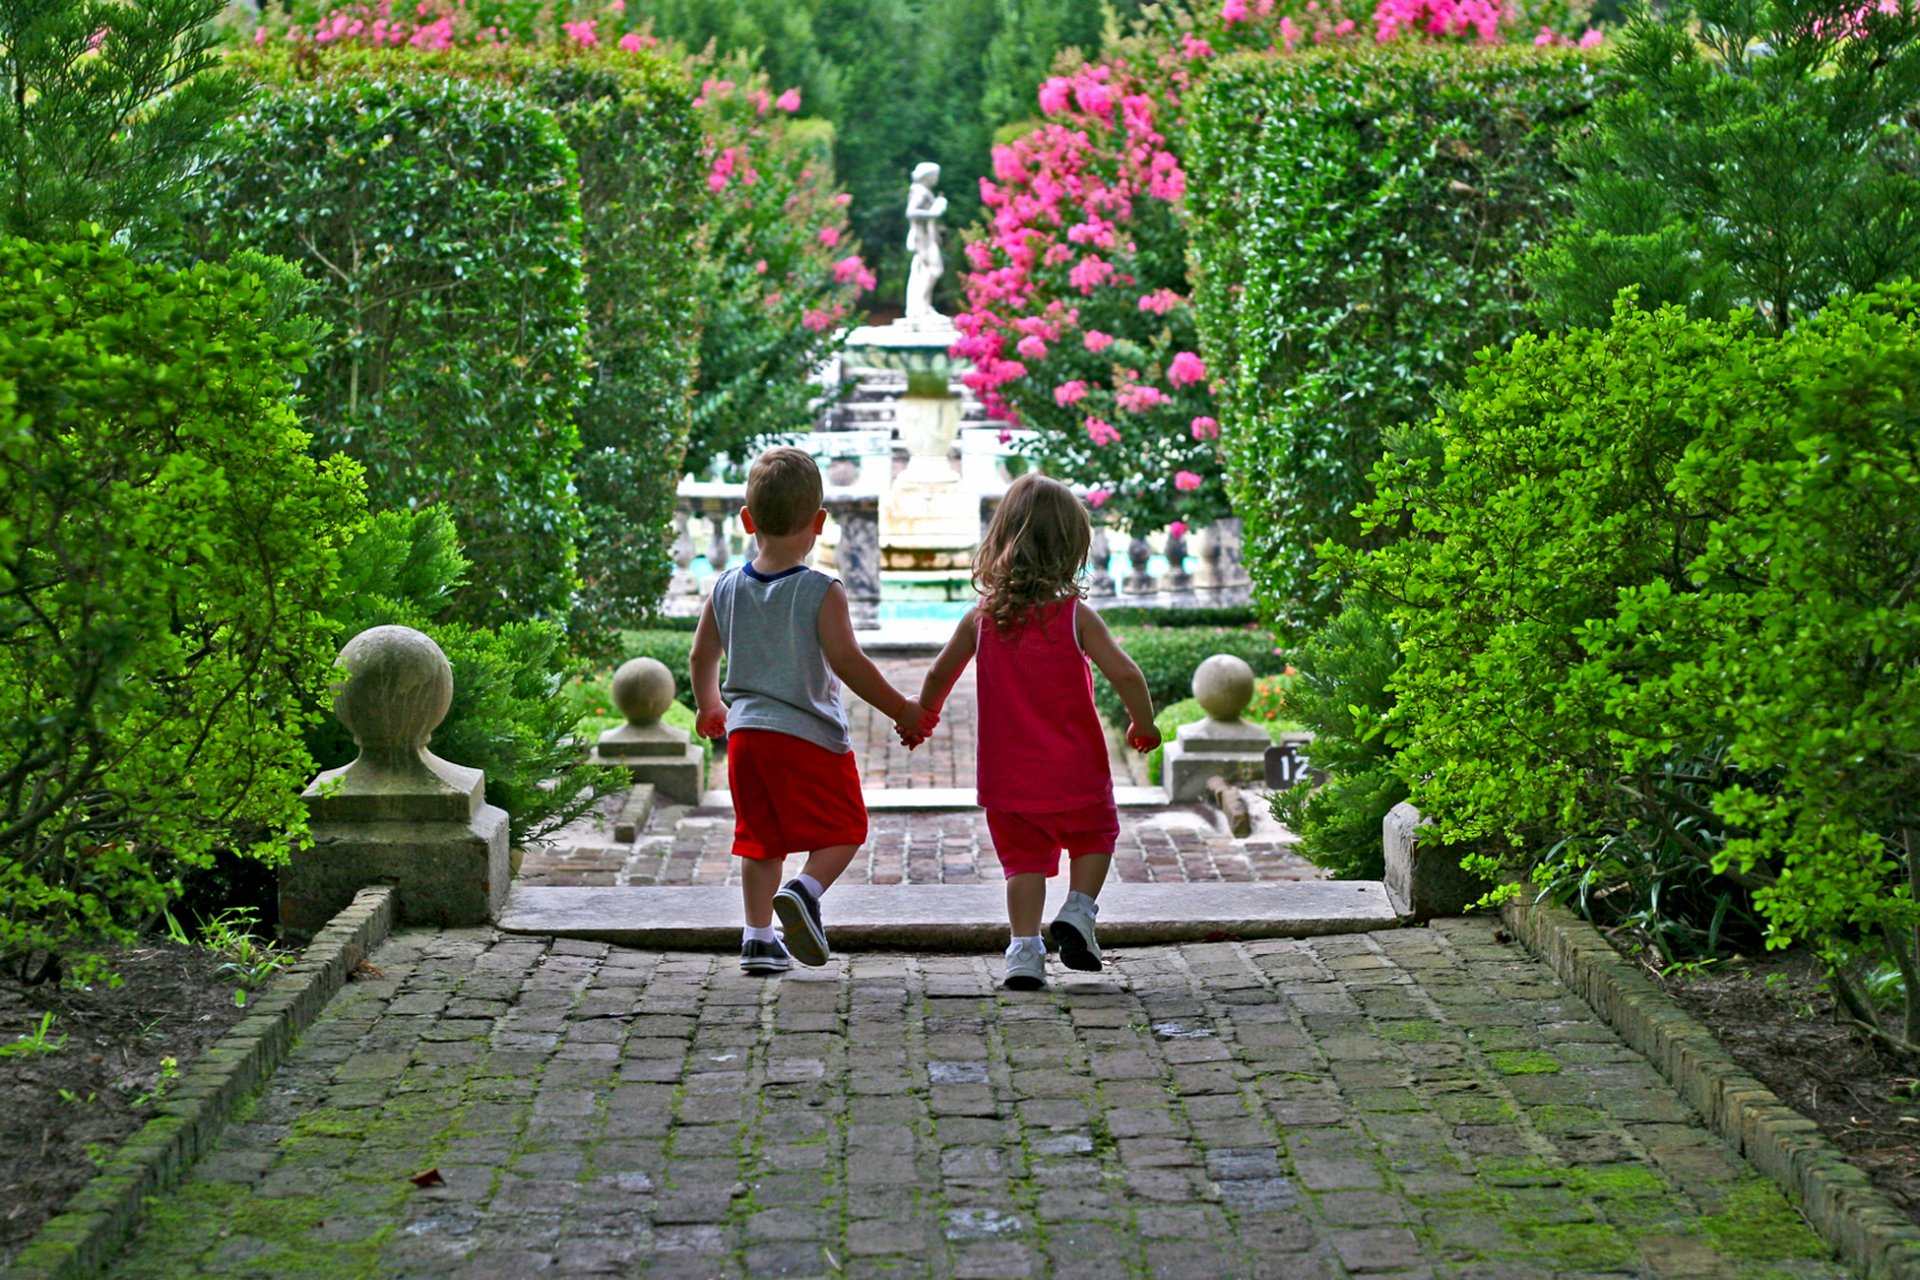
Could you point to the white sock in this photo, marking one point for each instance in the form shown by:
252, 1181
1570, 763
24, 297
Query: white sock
1026, 944
1084, 900
759, 933
811, 885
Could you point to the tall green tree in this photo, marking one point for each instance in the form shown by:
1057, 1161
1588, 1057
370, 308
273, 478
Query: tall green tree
1764, 153
111, 108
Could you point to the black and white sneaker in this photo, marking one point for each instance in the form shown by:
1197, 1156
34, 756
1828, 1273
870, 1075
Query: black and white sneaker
764, 957
799, 912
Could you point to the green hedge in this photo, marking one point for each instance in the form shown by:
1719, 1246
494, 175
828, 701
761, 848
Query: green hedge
1358, 217
167, 548
1167, 657
440, 220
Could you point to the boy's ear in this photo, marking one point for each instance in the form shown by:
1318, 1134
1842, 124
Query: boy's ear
746, 518
819, 521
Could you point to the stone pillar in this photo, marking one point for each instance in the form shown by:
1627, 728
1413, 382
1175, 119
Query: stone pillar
1178, 580
1139, 582
647, 749
1424, 877
990, 501
1228, 536
858, 556
1222, 745
1100, 557
682, 585
398, 814
719, 551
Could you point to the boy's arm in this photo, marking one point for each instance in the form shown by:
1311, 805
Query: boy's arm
857, 672
952, 661
1123, 674
710, 720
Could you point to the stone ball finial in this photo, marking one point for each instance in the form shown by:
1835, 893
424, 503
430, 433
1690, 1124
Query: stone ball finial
397, 691
643, 690
1224, 686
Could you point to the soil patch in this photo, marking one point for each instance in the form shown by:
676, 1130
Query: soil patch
1775, 1017
172, 1003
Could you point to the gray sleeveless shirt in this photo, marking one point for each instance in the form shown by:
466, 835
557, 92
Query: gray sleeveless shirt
777, 674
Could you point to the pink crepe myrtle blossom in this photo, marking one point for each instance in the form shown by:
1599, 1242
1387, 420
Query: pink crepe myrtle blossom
1033, 347
1160, 301
788, 101
1090, 273
1097, 498
1140, 399
1205, 428
1055, 93
1186, 369
819, 320
634, 42
1236, 11
759, 100
1178, 529
582, 33
721, 172
828, 236
1101, 432
1194, 47
1186, 481
1069, 393
1096, 341
851, 270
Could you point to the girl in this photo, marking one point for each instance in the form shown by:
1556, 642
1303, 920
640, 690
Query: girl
1043, 773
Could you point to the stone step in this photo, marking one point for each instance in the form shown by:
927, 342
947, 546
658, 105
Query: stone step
944, 799
968, 917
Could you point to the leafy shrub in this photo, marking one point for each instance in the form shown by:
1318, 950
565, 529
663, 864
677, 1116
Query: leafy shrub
628, 117
1661, 544
113, 111
1167, 657
1343, 695
167, 549
1358, 216
508, 716
1829, 163
441, 220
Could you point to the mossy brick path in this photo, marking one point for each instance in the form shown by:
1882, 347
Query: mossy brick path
1422, 1102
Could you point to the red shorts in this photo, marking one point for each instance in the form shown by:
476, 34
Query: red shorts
1031, 842
791, 796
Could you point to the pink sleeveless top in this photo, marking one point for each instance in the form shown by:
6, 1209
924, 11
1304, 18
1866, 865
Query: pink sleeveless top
1041, 746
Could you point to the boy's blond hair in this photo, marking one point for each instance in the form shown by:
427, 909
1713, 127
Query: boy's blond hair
783, 491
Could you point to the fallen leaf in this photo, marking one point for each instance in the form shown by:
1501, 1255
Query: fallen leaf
430, 1178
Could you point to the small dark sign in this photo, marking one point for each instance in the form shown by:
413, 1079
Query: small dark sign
1286, 765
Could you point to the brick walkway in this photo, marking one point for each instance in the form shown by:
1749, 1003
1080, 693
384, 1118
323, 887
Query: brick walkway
1420, 1103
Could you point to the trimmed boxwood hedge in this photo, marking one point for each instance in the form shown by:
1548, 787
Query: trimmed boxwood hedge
440, 221
1358, 219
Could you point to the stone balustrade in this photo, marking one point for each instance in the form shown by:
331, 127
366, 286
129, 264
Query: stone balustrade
706, 517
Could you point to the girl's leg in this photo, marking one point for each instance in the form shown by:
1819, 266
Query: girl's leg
826, 865
1026, 898
759, 878
1086, 873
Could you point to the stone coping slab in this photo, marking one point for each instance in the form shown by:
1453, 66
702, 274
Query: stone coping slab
932, 799
160, 1153
954, 917
1863, 1225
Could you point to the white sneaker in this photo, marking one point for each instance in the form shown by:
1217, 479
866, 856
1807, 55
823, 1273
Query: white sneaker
1072, 932
1026, 969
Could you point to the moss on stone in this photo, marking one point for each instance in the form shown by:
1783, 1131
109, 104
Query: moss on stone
1523, 1062
1760, 1225
1414, 1030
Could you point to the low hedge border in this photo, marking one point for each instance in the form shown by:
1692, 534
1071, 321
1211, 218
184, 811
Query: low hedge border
1865, 1228
97, 1221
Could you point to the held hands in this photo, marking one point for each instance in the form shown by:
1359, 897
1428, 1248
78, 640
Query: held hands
1142, 740
711, 722
915, 724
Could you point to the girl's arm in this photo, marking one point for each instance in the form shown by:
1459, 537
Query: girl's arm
856, 670
710, 719
952, 661
1122, 673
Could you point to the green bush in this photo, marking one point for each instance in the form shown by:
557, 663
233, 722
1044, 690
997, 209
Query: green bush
441, 221
1663, 572
167, 548
1343, 696
1829, 164
1167, 657
1358, 217
508, 716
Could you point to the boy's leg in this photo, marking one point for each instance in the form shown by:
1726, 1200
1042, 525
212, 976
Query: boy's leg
759, 879
827, 865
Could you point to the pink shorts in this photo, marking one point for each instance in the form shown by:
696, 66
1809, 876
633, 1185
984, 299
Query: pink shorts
1031, 842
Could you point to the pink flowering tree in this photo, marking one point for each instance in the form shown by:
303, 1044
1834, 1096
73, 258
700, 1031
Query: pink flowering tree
781, 274
1078, 319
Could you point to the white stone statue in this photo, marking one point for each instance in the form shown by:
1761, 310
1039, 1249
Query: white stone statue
924, 210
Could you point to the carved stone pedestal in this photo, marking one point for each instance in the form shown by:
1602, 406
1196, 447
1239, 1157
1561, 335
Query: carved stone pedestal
1223, 745
647, 749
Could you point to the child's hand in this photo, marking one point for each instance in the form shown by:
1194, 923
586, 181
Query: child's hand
1142, 740
711, 723
915, 722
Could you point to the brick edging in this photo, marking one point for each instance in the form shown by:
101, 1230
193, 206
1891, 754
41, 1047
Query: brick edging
1865, 1228
95, 1223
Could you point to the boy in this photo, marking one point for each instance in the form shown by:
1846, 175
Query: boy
786, 634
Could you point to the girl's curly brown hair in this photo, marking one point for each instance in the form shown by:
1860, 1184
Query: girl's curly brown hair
1032, 551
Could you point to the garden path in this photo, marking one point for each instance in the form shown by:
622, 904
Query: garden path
1414, 1103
